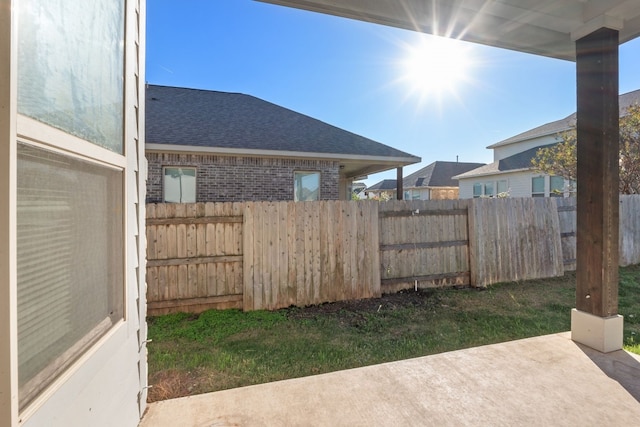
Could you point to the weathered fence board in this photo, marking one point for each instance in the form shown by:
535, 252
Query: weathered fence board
194, 256
567, 218
514, 239
309, 253
423, 244
629, 229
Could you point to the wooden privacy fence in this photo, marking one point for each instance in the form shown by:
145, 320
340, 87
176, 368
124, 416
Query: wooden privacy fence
514, 239
309, 253
423, 244
260, 255
194, 256
268, 255
629, 229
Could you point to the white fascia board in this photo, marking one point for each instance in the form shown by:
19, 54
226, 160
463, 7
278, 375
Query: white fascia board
459, 177
274, 153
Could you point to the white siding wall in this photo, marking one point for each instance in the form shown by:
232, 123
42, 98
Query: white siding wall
500, 153
465, 188
8, 297
518, 183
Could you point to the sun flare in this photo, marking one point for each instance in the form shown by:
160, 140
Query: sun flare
435, 67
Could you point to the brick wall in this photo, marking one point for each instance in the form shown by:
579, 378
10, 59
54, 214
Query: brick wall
232, 178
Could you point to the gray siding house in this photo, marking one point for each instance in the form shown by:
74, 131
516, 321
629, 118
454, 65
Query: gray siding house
511, 173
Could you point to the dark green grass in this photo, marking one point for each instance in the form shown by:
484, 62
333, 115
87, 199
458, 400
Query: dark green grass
224, 349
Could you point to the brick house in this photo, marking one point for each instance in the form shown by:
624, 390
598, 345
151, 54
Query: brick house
210, 146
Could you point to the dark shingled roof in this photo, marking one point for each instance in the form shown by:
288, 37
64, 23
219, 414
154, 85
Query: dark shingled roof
516, 162
438, 174
385, 184
202, 118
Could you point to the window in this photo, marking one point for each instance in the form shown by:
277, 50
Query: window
537, 186
503, 191
478, 190
70, 76
70, 261
70, 206
556, 186
487, 189
179, 185
306, 186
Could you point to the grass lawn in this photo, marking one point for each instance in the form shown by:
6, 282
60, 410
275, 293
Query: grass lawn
217, 350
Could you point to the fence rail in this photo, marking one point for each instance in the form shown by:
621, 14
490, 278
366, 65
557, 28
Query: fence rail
268, 255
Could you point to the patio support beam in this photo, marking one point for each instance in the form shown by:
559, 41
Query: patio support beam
595, 321
399, 189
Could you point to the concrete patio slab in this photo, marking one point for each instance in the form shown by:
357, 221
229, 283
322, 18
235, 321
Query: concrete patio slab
548, 380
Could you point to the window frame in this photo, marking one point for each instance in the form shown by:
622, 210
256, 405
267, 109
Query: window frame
195, 182
306, 173
39, 134
542, 193
45, 137
560, 191
484, 185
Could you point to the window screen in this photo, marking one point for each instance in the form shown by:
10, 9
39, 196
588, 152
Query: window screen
69, 262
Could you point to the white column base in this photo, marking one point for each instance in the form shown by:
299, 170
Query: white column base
600, 333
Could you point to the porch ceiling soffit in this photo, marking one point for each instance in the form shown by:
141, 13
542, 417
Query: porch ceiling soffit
541, 27
359, 169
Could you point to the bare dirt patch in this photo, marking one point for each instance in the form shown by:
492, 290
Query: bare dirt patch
388, 302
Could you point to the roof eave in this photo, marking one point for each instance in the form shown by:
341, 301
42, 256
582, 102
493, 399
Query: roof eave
465, 176
391, 160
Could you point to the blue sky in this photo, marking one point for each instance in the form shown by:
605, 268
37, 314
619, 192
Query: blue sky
350, 74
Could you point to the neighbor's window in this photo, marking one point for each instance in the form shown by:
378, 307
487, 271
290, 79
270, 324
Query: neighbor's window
179, 185
306, 186
70, 67
478, 190
502, 187
556, 186
488, 189
484, 189
537, 186
70, 261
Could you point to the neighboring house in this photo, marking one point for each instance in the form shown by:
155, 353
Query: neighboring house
432, 182
72, 216
209, 146
384, 188
511, 173
435, 181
